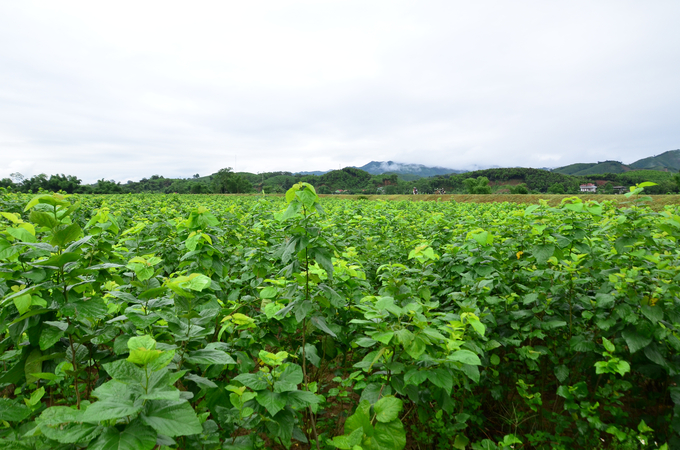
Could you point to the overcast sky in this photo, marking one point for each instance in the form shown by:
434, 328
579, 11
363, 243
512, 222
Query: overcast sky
127, 89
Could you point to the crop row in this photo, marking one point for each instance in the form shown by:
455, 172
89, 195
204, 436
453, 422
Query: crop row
205, 322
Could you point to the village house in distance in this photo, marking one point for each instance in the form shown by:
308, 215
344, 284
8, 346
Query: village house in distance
588, 187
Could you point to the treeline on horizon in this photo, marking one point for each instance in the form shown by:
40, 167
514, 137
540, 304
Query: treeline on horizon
356, 181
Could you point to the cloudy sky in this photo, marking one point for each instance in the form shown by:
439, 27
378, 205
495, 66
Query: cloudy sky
127, 89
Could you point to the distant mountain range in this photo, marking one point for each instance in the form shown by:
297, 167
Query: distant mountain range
667, 162
381, 167
389, 167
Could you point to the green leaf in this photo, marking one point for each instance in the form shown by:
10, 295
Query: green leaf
289, 378
383, 336
49, 336
465, 356
472, 372
347, 442
201, 381
415, 376
323, 257
135, 437
635, 340
624, 244
197, 282
91, 308
604, 300
63, 424
142, 350
12, 411
653, 313
442, 378
209, 357
33, 365
360, 419
171, 418
365, 342
461, 442
561, 373
23, 303
272, 401
320, 323
124, 371
43, 219
387, 409
608, 345
312, 355
388, 436
116, 402
281, 426
301, 399
543, 252
269, 292
415, 348
255, 381
66, 234
21, 234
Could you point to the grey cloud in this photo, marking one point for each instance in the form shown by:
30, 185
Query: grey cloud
314, 87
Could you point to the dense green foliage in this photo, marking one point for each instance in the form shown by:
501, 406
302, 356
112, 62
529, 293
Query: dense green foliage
205, 322
581, 169
352, 181
668, 162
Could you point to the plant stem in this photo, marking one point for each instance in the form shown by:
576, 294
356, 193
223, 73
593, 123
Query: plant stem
75, 367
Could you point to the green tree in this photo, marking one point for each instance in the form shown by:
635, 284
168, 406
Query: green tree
479, 185
227, 182
519, 189
556, 188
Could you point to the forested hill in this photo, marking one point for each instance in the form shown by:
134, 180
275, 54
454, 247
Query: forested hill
668, 162
351, 180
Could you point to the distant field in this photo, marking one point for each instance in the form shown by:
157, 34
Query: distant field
658, 201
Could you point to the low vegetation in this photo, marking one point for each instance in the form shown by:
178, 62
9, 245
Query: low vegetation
226, 322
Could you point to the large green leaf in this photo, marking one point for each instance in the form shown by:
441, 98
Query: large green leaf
347, 442
116, 401
635, 340
201, 381
21, 234
301, 399
281, 426
466, 357
33, 365
320, 323
135, 437
65, 425
204, 356
442, 378
360, 419
255, 381
273, 402
542, 252
66, 234
91, 308
387, 436
387, 409
124, 371
43, 219
12, 411
49, 336
171, 418
289, 378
